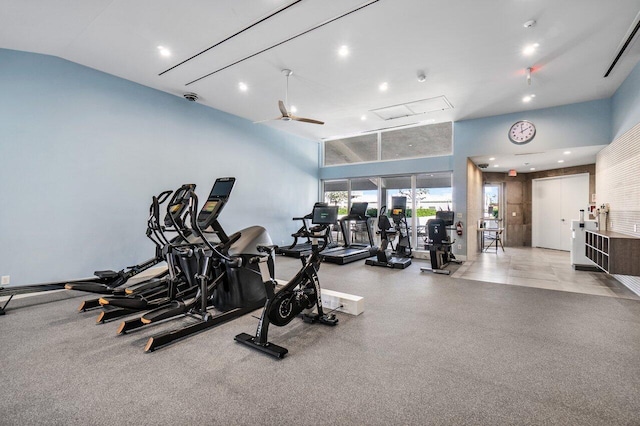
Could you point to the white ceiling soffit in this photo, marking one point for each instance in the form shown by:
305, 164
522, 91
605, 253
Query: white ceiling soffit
423, 106
524, 162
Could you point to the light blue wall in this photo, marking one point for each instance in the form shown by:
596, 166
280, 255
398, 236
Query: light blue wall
626, 104
83, 152
575, 125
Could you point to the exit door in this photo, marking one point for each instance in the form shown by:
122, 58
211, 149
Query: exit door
555, 202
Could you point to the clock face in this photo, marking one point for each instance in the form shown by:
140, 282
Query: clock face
522, 132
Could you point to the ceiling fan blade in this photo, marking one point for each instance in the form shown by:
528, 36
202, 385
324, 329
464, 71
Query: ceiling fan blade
283, 109
268, 119
306, 120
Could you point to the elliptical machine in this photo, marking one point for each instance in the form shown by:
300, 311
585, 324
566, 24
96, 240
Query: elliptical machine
400, 257
439, 243
221, 273
301, 293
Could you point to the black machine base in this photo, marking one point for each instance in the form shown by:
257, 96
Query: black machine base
268, 348
394, 262
165, 338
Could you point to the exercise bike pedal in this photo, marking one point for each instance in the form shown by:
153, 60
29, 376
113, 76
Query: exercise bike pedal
325, 319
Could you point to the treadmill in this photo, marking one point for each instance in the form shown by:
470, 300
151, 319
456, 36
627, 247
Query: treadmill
303, 249
352, 252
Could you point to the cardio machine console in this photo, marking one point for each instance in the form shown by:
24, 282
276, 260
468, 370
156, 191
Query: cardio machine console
215, 202
324, 215
179, 203
398, 207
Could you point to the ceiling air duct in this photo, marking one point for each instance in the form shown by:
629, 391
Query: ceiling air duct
625, 43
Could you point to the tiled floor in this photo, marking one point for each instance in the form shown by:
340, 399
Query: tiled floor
541, 268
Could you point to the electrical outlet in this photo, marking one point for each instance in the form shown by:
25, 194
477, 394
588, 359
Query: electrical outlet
459, 246
6, 280
459, 215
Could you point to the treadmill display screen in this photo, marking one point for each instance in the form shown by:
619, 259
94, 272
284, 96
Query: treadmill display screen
359, 209
209, 206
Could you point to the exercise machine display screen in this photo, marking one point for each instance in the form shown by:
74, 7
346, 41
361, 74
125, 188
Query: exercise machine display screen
398, 205
358, 209
325, 215
209, 206
217, 198
222, 188
446, 216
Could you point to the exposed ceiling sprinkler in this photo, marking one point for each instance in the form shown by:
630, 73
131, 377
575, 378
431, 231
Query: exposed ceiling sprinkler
530, 23
421, 77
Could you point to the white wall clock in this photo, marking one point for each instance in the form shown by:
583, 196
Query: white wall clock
522, 132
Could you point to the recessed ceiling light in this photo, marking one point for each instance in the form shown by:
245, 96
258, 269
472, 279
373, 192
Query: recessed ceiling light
410, 144
383, 86
343, 51
560, 161
528, 98
293, 108
492, 158
495, 165
530, 23
530, 49
533, 168
363, 118
567, 152
164, 51
243, 86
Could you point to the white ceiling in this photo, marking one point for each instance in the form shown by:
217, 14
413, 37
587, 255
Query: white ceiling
470, 51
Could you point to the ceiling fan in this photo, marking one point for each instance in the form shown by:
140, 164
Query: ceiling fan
286, 115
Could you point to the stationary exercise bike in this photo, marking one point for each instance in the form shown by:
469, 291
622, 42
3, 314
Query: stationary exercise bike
300, 294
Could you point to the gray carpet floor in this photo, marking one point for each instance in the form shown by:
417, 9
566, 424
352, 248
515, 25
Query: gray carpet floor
428, 350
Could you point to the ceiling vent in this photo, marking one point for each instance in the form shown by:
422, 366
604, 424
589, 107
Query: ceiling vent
627, 40
409, 109
483, 165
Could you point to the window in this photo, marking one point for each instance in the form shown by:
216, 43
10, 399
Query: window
351, 150
423, 141
426, 193
411, 142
